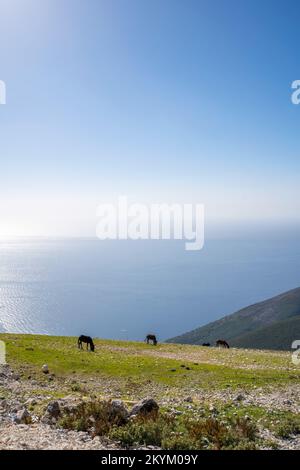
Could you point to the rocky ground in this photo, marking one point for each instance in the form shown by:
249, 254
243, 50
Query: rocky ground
29, 420
19, 429
44, 437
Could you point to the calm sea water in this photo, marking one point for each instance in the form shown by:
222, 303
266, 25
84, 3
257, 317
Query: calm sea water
126, 289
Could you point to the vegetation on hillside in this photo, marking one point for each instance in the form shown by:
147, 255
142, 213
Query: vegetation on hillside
271, 324
209, 398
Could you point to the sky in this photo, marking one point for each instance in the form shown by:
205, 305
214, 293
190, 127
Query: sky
162, 101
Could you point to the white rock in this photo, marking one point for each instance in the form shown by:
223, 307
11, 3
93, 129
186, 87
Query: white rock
45, 369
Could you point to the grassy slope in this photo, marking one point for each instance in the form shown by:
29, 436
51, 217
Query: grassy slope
130, 371
245, 327
278, 336
135, 369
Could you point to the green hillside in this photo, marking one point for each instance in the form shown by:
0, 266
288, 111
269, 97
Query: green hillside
132, 368
271, 324
204, 398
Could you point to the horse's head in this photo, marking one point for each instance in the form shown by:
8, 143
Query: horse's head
92, 347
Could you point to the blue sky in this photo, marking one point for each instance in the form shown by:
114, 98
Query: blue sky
161, 100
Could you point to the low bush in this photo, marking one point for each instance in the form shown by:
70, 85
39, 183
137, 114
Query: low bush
174, 434
288, 427
162, 430
94, 416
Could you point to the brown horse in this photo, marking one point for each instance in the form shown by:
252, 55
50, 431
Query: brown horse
151, 338
222, 344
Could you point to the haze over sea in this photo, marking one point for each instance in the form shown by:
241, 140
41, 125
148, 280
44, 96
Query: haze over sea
125, 289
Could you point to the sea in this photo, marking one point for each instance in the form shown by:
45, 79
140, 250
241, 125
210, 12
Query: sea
127, 289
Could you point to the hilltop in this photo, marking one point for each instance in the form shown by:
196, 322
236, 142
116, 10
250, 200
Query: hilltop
271, 324
204, 398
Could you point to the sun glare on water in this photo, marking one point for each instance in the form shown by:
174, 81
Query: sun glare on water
15, 231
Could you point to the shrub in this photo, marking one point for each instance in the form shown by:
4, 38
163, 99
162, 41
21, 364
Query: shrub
93, 415
210, 433
178, 441
214, 434
161, 430
288, 427
144, 431
245, 428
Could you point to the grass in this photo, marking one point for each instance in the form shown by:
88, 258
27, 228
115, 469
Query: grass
142, 364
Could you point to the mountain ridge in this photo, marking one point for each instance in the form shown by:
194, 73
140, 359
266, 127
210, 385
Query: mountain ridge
269, 324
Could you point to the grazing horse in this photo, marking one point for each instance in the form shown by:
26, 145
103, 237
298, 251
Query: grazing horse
88, 340
151, 338
205, 344
222, 344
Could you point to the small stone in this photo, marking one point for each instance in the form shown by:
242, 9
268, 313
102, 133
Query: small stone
15, 376
22, 417
31, 402
239, 397
119, 410
53, 409
144, 407
188, 399
45, 369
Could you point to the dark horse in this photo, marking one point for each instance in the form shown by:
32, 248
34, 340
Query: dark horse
151, 338
88, 340
222, 344
205, 344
